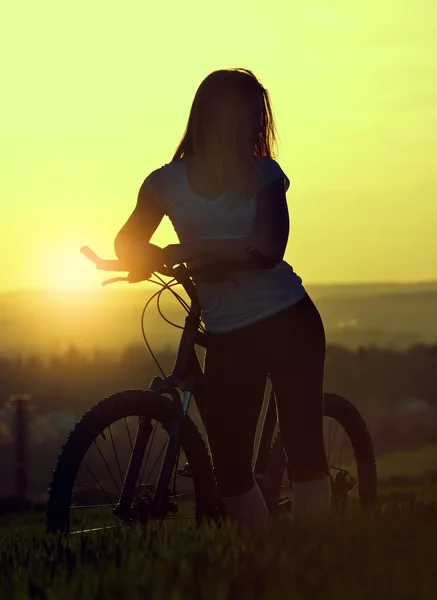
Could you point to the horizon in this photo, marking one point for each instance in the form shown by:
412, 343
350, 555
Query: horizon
150, 286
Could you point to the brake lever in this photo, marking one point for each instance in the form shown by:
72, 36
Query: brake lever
114, 280
136, 278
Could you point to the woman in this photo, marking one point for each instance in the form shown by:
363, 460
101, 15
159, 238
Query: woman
225, 196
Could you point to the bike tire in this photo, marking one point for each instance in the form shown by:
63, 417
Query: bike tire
128, 403
343, 411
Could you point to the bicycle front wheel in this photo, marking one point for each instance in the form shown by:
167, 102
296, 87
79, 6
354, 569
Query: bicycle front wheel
91, 468
350, 455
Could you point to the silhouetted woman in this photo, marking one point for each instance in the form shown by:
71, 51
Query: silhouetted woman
225, 195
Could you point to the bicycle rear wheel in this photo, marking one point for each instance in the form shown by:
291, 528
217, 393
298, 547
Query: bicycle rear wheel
351, 460
91, 468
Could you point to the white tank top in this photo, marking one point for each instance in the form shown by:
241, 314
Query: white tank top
253, 295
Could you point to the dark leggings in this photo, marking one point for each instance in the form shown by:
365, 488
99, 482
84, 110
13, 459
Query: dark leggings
290, 346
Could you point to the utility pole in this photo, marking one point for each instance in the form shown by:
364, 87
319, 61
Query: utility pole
20, 405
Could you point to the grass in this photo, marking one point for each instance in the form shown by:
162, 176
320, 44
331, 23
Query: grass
408, 463
390, 553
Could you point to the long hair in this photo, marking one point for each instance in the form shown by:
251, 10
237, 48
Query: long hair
212, 132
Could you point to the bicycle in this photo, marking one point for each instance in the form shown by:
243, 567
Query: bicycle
183, 457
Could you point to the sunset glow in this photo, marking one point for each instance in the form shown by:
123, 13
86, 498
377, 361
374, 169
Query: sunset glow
96, 97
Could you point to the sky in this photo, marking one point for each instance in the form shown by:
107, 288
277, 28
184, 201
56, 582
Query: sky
95, 96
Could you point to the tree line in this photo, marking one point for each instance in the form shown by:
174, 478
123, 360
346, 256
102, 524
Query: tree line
377, 381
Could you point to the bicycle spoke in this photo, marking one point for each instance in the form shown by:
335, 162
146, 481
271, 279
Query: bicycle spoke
128, 432
148, 454
329, 437
94, 489
341, 447
91, 506
82, 531
176, 468
98, 483
116, 455
335, 431
154, 465
104, 460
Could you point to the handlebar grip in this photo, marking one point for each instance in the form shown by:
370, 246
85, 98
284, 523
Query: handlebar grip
86, 251
117, 265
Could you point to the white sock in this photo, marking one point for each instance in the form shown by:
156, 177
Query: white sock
248, 508
311, 498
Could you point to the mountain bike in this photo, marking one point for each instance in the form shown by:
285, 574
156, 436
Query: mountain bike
138, 455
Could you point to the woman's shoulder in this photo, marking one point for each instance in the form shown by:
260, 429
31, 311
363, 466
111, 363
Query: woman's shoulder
165, 171
170, 168
270, 170
267, 161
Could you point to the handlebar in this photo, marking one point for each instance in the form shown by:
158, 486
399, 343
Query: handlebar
208, 272
180, 273
118, 265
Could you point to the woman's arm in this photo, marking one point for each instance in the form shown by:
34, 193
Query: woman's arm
201, 251
273, 223
131, 244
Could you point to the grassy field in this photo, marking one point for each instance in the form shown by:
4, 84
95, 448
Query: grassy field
391, 553
407, 463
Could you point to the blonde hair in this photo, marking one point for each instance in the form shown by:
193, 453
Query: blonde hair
212, 131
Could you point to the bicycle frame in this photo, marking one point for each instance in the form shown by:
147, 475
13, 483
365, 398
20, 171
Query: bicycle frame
186, 375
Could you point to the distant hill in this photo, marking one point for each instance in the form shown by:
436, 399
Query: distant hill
43, 322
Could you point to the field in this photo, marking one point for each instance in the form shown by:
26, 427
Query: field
391, 553
417, 462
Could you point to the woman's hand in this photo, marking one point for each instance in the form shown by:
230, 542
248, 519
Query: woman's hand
198, 263
143, 260
191, 253
172, 255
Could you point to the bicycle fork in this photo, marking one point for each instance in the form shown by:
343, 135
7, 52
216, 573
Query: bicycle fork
124, 506
158, 506
173, 429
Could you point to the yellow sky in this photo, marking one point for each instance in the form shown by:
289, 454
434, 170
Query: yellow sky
95, 96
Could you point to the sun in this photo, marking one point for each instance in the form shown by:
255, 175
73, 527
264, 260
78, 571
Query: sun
66, 268
74, 272
63, 267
